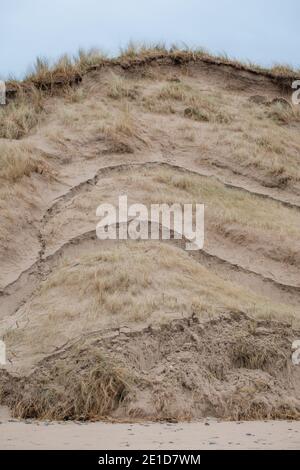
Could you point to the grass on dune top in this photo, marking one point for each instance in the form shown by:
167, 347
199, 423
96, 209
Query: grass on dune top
84, 60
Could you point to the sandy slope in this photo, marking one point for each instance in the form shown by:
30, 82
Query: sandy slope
104, 436
160, 134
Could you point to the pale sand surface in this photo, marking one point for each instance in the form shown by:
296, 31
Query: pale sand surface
208, 434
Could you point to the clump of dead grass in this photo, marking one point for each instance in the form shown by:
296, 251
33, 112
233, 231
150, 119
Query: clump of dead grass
134, 49
63, 72
196, 106
84, 385
74, 94
227, 204
123, 134
258, 354
283, 70
44, 75
260, 145
119, 87
283, 114
89, 58
17, 161
19, 116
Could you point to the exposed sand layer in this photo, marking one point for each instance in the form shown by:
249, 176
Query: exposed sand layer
209, 435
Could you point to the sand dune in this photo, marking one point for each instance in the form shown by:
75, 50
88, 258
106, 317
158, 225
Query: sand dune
143, 329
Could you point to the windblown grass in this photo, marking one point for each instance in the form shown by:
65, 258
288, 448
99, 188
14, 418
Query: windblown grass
183, 53
21, 114
67, 67
17, 161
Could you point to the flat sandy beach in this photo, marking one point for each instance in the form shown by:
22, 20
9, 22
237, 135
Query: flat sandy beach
208, 434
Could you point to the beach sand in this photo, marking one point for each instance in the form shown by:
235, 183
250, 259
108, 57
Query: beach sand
208, 434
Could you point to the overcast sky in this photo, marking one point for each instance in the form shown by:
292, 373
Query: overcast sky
263, 31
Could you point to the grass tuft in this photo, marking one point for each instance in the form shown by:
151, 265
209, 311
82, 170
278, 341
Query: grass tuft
82, 386
21, 115
17, 161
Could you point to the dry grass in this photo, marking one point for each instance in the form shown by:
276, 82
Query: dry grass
283, 70
182, 54
227, 205
74, 94
43, 72
18, 160
87, 114
123, 133
243, 220
45, 75
67, 69
21, 115
28, 108
198, 106
186, 369
238, 217
119, 88
134, 49
283, 114
26, 111
259, 145
87, 386
130, 283
246, 354
89, 58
